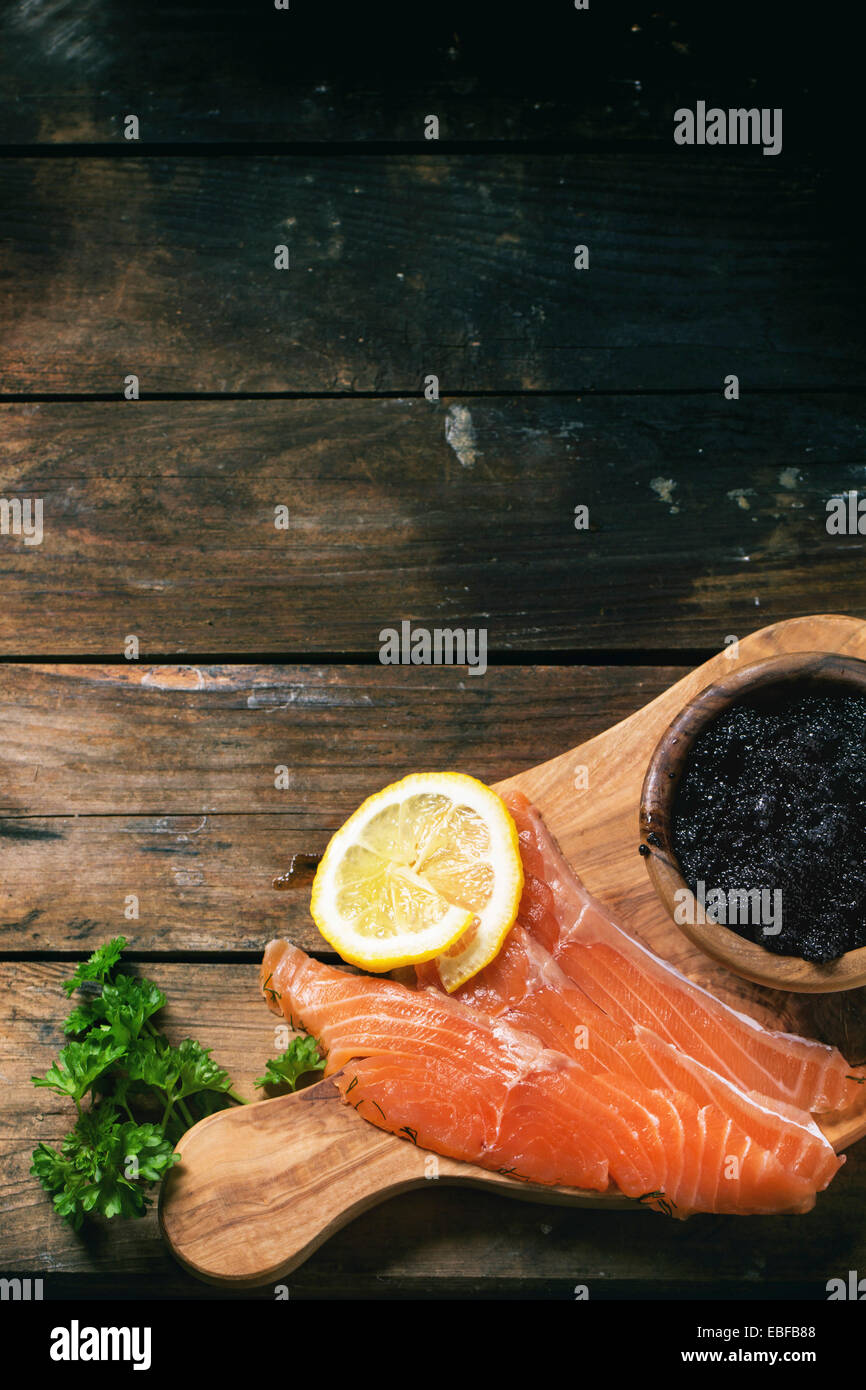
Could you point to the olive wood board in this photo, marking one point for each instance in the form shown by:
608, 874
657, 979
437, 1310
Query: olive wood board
260, 1187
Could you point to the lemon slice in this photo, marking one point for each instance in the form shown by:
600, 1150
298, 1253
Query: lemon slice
431, 864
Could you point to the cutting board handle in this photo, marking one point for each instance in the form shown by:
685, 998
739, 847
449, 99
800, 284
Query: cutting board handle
260, 1187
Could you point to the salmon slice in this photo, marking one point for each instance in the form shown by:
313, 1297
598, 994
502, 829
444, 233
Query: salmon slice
524, 986
636, 988
453, 1079
787, 1132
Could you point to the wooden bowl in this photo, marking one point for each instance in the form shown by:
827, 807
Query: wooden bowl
808, 670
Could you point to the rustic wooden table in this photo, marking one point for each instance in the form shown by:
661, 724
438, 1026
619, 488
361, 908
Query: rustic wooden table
304, 388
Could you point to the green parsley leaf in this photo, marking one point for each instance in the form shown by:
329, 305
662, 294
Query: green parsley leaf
79, 1064
178, 1071
116, 1147
205, 1103
98, 966
128, 1003
198, 1071
123, 1005
103, 1165
87, 1014
300, 1057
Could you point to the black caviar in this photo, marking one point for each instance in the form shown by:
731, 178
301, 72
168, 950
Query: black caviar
773, 797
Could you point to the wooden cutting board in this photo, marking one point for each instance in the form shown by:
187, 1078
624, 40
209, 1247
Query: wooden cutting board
259, 1188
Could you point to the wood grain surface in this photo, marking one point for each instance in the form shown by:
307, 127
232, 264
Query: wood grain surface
461, 266
160, 782
211, 70
159, 521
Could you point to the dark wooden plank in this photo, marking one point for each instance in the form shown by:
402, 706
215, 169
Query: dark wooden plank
706, 517
430, 1242
208, 71
160, 783
234, 72
458, 266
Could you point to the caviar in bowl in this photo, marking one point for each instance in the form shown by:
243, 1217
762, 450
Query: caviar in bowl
753, 821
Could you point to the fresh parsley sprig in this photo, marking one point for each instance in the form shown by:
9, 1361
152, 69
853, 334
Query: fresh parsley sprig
97, 967
79, 1065
122, 1005
135, 1093
300, 1057
103, 1165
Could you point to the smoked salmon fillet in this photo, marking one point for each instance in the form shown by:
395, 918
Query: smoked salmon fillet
524, 986
453, 1079
636, 988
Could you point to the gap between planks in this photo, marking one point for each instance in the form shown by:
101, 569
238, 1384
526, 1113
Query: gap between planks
410, 393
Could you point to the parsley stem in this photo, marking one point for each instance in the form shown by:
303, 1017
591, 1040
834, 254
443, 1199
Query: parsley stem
184, 1110
240, 1099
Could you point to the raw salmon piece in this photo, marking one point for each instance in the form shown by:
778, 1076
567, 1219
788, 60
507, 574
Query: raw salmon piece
635, 988
550, 1131
515, 1130
790, 1134
449, 1079
525, 987
452, 1079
